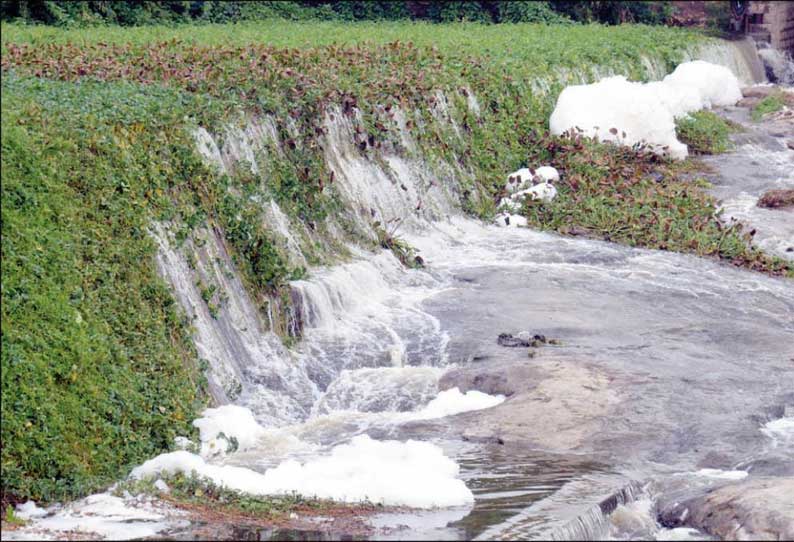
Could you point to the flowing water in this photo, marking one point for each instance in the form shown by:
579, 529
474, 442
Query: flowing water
666, 364
761, 161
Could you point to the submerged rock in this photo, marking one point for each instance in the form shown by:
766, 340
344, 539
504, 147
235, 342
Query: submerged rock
758, 509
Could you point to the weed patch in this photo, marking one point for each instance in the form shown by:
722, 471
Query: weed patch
705, 132
634, 197
770, 104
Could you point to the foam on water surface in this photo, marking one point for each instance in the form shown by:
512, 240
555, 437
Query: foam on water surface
365, 329
781, 431
410, 473
104, 515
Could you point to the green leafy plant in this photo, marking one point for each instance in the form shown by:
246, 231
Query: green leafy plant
770, 104
705, 132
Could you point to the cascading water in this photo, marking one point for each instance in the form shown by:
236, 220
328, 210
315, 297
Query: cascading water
739, 56
377, 340
368, 346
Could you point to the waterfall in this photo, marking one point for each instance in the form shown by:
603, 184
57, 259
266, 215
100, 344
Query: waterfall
739, 56
366, 345
246, 361
396, 187
401, 190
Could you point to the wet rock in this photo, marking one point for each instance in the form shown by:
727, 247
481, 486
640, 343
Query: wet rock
748, 102
775, 199
523, 339
758, 91
506, 339
790, 144
575, 231
556, 406
757, 509
501, 380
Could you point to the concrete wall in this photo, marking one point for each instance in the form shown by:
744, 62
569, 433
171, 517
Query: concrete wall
773, 22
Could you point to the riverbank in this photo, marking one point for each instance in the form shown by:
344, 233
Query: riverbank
143, 280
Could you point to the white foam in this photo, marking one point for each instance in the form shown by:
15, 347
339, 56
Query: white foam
411, 473
29, 510
103, 515
218, 426
452, 401
722, 474
548, 173
715, 85
544, 192
625, 112
518, 180
781, 431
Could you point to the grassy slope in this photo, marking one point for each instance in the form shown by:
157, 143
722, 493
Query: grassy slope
98, 372
87, 165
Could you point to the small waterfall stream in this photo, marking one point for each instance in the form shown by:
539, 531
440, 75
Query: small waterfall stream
369, 347
377, 341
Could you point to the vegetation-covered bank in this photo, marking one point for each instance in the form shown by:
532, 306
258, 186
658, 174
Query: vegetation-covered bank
98, 369
93, 12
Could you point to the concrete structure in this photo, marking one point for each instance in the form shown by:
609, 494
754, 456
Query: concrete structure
772, 22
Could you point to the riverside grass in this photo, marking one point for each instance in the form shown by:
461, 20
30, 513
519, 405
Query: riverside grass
98, 369
705, 132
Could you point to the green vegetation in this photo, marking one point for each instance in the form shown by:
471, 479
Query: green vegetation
95, 12
705, 132
188, 491
11, 519
634, 197
770, 104
98, 372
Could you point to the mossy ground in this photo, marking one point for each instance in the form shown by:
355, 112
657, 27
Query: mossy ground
98, 369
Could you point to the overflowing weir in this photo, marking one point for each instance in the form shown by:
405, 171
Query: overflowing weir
367, 346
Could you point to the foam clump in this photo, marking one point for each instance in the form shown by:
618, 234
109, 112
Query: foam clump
518, 180
544, 192
411, 473
547, 174
97, 516
716, 85
508, 220
28, 510
453, 401
521, 185
628, 113
219, 427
